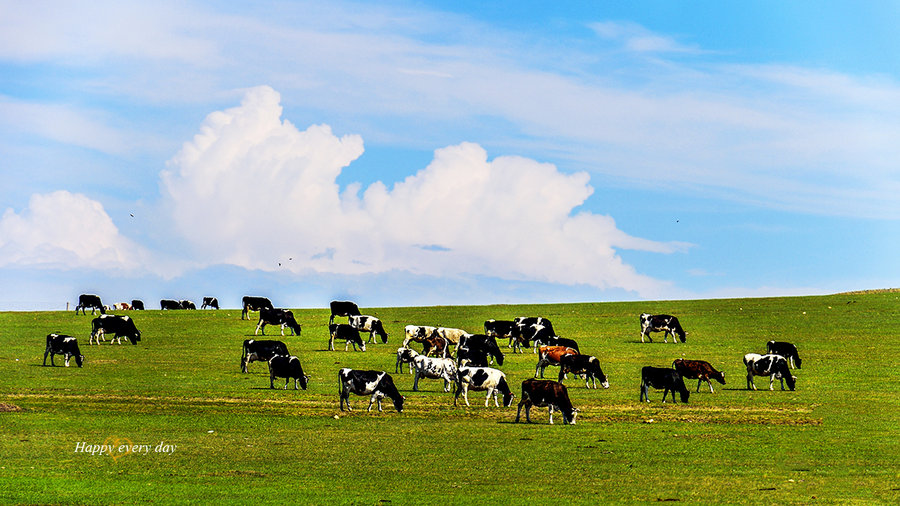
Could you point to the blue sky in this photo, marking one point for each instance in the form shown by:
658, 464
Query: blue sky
424, 152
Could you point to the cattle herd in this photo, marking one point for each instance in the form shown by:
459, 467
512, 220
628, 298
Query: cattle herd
470, 369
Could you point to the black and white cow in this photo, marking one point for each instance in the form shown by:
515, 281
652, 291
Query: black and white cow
405, 356
663, 378
434, 368
67, 346
662, 323
786, 350
210, 302
169, 304
474, 349
249, 303
343, 308
287, 367
501, 329
483, 379
586, 366
137, 304
87, 300
118, 326
281, 317
369, 324
378, 384
187, 304
260, 350
542, 339
774, 366
344, 332
548, 393
524, 322
416, 332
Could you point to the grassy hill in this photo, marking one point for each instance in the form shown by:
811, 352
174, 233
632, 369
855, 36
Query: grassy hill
225, 437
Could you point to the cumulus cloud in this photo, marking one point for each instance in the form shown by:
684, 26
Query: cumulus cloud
251, 189
65, 230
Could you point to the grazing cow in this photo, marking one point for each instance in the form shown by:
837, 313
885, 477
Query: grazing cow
548, 393
249, 303
137, 305
501, 329
86, 300
527, 321
169, 304
287, 367
281, 317
405, 356
67, 346
434, 368
188, 304
344, 332
774, 366
586, 366
474, 349
378, 384
210, 302
343, 308
416, 331
118, 326
121, 306
483, 378
551, 355
786, 350
541, 338
369, 324
432, 343
665, 379
452, 336
260, 350
662, 323
699, 370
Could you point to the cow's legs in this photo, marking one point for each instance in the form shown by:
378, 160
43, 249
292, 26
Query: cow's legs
416, 382
700, 380
260, 326
750, 384
331, 343
550, 407
772, 383
710, 386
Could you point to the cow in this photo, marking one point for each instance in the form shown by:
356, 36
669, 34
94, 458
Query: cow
699, 370
527, 321
121, 306
67, 346
786, 350
501, 329
281, 317
542, 339
774, 366
187, 304
586, 366
260, 350
416, 331
249, 303
432, 344
137, 305
483, 378
662, 323
211, 302
551, 355
344, 332
343, 308
548, 393
434, 368
87, 300
663, 378
405, 356
118, 326
474, 349
287, 367
169, 304
369, 324
378, 384
453, 336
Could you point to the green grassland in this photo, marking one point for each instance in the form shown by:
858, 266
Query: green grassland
833, 440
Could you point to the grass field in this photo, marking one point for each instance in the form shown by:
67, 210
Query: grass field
230, 439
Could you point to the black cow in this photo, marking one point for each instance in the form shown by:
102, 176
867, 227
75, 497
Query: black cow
473, 350
369, 324
287, 367
137, 304
662, 323
118, 326
249, 303
210, 302
586, 366
786, 350
665, 379
344, 332
187, 304
281, 317
260, 350
86, 300
501, 329
169, 304
774, 366
548, 393
343, 308
378, 384
66, 346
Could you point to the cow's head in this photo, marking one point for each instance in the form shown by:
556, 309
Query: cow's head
685, 393
398, 403
718, 376
798, 362
791, 381
304, 381
508, 399
135, 337
79, 359
569, 419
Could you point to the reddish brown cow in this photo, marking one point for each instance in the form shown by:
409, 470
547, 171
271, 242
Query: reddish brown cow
699, 370
550, 355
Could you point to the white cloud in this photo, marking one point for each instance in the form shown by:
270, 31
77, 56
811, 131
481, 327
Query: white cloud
252, 190
68, 231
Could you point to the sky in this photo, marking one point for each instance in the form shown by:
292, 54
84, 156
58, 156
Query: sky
436, 153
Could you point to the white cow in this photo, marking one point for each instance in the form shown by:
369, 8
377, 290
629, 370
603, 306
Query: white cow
434, 368
483, 378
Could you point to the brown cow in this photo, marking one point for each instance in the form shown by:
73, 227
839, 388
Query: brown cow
550, 355
699, 370
546, 393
